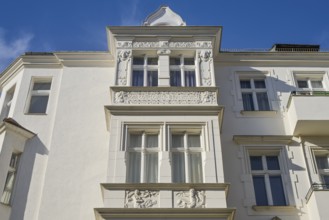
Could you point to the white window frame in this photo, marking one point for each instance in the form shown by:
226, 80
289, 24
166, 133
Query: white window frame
33, 93
267, 173
144, 131
182, 68
186, 131
310, 77
254, 91
145, 67
7, 103
7, 194
321, 172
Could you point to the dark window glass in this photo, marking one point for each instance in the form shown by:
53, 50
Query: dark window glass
256, 163
260, 190
245, 84
262, 101
322, 162
326, 180
138, 78
178, 167
175, 78
41, 86
134, 168
174, 61
272, 163
302, 84
38, 104
260, 84
248, 103
188, 61
277, 191
138, 61
152, 61
152, 78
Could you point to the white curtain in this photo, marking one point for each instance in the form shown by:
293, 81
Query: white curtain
178, 167
134, 167
190, 78
152, 141
262, 101
151, 167
193, 141
5, 198
135, 141
195, 168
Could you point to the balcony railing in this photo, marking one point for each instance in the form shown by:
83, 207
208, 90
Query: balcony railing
316, 187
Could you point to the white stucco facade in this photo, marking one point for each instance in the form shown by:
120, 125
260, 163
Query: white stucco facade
165, 125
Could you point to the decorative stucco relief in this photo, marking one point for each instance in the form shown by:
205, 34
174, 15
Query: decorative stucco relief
176, 98
190, 199
141, 199
166, 44
164, 52
206, 62
124, 44
124, 60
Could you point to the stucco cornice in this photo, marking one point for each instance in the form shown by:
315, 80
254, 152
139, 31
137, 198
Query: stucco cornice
262, 139
10, 125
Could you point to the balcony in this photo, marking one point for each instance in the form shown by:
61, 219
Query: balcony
317, 200
165, 200
308, 113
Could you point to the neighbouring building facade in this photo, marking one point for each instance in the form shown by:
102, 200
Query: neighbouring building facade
166, 125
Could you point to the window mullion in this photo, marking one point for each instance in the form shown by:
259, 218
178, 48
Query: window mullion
187, 174
143, 152
268, 189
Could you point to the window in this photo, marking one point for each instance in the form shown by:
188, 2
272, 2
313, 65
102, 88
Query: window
309, 83
322, 164
145, 71
254, 94
267, 180
186, 156
142, 153
7, 103
39, 97
182, 72
10, 180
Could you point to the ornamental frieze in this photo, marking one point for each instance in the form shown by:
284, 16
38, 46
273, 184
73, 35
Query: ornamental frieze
167, 97
190, 199
164, 44
141, 199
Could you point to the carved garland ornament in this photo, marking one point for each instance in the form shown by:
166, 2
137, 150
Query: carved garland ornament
141, 98
141, 199
164, 44
190, 199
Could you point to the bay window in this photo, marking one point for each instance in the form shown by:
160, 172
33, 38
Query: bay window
182, 71
322, 163
142, 153
186, 156
254, 94
10, 180
145, 71
267, 180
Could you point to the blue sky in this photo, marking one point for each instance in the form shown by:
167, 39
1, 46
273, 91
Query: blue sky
79, 25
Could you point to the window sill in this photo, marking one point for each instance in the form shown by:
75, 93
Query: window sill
259, 113
273, 208
36, 113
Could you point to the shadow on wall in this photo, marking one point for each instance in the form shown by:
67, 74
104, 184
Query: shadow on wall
33, 148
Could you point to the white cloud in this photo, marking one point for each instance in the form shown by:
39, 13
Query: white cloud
129, 15
10, 49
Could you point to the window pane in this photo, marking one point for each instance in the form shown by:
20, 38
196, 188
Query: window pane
152, 141
152, 78
175, 78
135, 141
177, 140
326, 180
277, 191
6, 195
138, 61
302, 84
14, 160
256, 163
195, 168
322, 162
262, 101
260, 190
245, 84
178, 167
190, 78
38, 104
316, 84
174, 61
134, 167
272, 163
41, 86
260, 84
248, 103
138, 78
152, 61
193, 140
188, 61
151, 168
